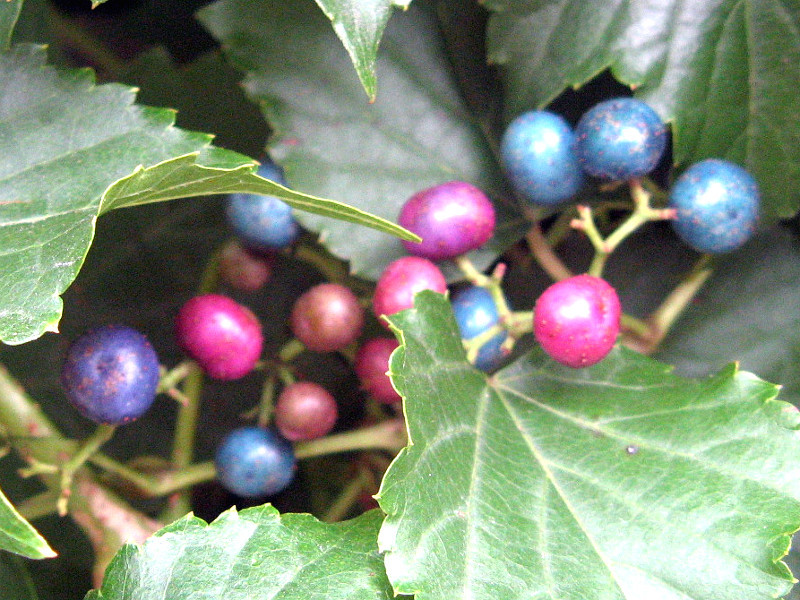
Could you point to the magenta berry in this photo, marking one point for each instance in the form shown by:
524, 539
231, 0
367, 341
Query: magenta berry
576, 321
452, 219
223, 336
401, 280
327, 317
305, 411
372, 366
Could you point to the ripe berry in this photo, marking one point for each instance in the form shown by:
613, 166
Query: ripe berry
327, 317
372, 366
243, 269
576, 320
305, 411
111, 374
717, 205
452, 219
401, 280
620, 139
252, 462
475, 312
538, 153
223, 336
263, 222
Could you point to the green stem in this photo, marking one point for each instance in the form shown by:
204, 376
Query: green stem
470, 272
389, 435
291, 350
266, 405
348, 496
38, 506
170, 379
88, 447
165, 483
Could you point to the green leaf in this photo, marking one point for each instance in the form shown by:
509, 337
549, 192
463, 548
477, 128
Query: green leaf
19, 536
15, 581
620, 481
9, 13
360, 24
725, 73
417, 134
73, 150
255, 553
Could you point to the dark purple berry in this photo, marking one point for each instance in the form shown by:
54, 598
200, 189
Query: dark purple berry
111, 374
327, 317
372, 366
475, 311
305, 411
452, 219
252, 462
223, 336
576, 321
243, 269
401, 280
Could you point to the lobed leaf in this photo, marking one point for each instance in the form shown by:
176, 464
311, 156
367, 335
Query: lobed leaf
15, 581
19, 536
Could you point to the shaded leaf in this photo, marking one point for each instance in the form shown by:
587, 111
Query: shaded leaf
15, 581
19, 536
619, 481
255, 553
725, 73
9, 13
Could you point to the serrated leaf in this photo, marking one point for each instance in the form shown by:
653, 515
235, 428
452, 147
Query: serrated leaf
359, 25
255, 553
72, 150
9, 13
418, 133
620, 481
725, 72
19, 536
15, 581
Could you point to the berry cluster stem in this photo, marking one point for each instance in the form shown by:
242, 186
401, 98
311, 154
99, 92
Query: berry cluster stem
88, 447
389, 435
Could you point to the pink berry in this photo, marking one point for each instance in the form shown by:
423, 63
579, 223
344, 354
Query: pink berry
371, 366
401, 280
576, 320
327, 317
223, 336
243, 269
452, 219
305, 411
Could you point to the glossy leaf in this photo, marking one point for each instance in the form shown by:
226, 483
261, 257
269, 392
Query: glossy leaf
19, 536
418, 133
724, 73
255, 553
619, 481
72, 150
15, 581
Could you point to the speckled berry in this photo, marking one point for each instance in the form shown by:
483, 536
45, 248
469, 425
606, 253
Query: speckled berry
538, 154
223, 336
475, 312
372, 367
576, 321
327, 317
111, 374
252, 462
305, 411
400, 282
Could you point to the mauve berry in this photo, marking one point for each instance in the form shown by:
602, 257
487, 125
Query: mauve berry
223, 336
305, 411
401, 280
452, 219
327, 317
111, 374
243, 269
576, 321
372, 366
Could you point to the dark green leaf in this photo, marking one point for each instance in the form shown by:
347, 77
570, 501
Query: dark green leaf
255, 553
725, 73
19, 536
620, 481
9, 13
15, 581
417, 134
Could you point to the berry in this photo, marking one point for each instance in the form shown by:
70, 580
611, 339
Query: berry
475, 312
305, 411
243, 269
576, 320
620, 139
223, 336
717, 204
327, 317
452, 219
372, 366
111, 374
263, 222
538, 153
401, 280
252, 462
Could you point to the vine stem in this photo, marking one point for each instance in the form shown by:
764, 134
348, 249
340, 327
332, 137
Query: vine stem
88, 447
165, 483
389, 435
543, 253
348, 496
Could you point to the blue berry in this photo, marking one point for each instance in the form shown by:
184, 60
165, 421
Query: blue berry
111, 374
717, 204
263, 223
620, 139
475, 312
252, 462
538, 153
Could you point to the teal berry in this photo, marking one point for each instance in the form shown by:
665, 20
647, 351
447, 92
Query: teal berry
716, 204
252, 462
475, 311
620, 139
263, 223
538, 155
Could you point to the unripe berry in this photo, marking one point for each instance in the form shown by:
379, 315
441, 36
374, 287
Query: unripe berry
327, 317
